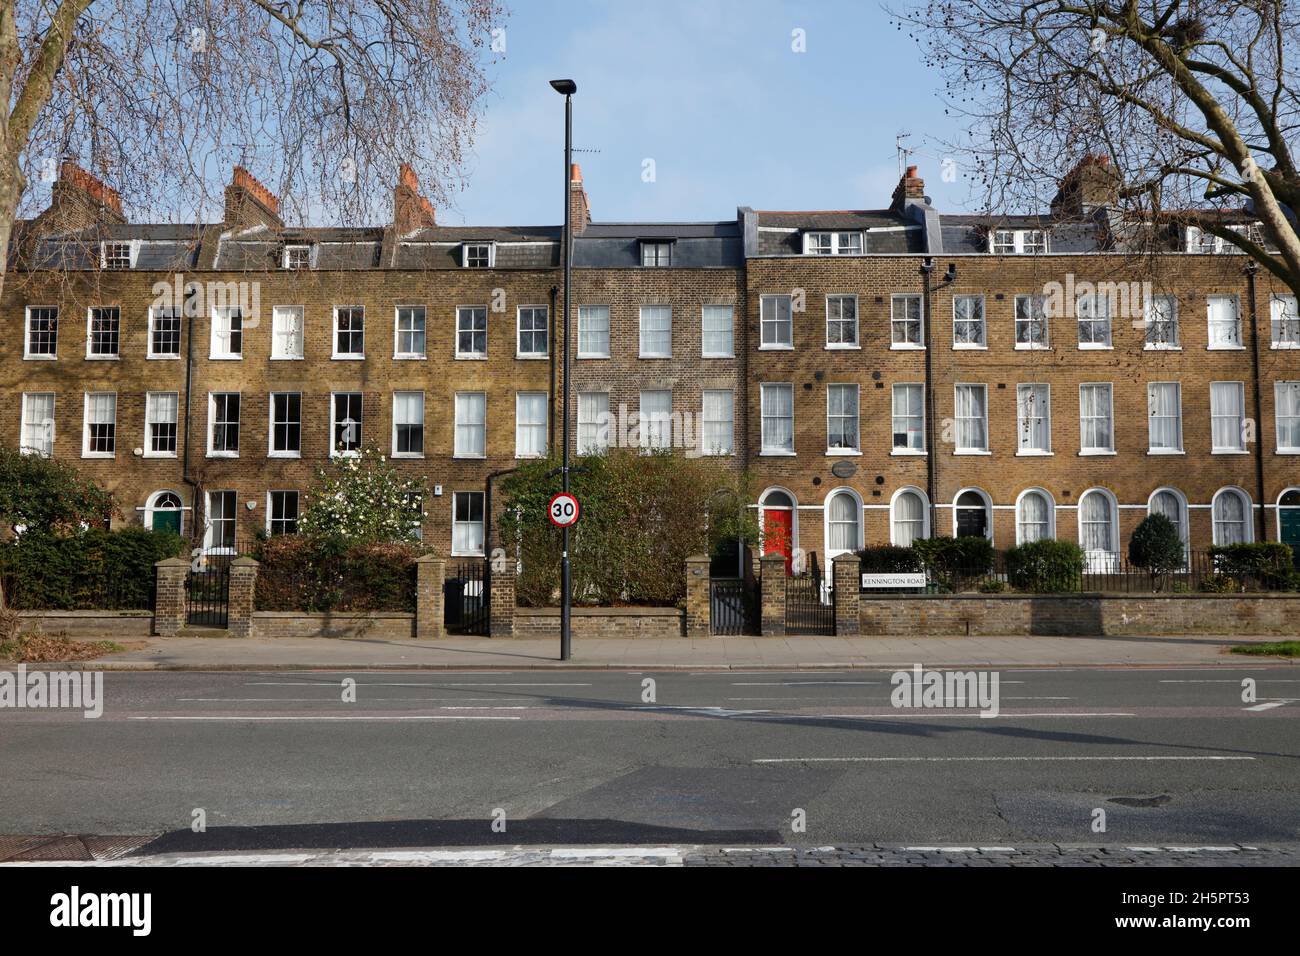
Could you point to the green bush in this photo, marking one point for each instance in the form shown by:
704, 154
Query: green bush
955, 564
302, 574
1260, 565
992, 586
1220, 584
48, 496
1156, 545
1045, 567
642, 517
889, 559
90, 570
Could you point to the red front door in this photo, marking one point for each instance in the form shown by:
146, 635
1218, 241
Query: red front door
778, 534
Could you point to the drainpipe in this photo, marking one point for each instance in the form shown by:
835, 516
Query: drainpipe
1261, 523
554, 339
195, 509
488, 523
931, 450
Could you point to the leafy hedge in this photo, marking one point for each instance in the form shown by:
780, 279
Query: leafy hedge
956, 564
890, 559
299, 574
1045, 567
90, 570
1261, 564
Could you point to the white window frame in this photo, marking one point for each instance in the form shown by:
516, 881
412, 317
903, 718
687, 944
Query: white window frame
413, 309
894, 537
155, 313
280, 314
958, 448
209, 526
1247, 514
656, 254
519, 331
593, 311
520, 424
468, 312
1044, 321
894, 322
1051, 515
705, 332
1017, 242
491, 255
271, 450
482, 523
222, 332
1239, 448
776, 323
291, 252
461, 427
1022, 449
1096, 560
1236, 344
655, 428
765, 449
107, 263
86, 423
985, 501
270, 510
855, 449
423, 431
335, 330
28, 331
212, 425
116, 354
25, 422
718, 450
597, 426
858, 531
642, 330
857, 334
1277, 417
1184, 528
1151, 417
148, 451
1110, 417
335, 451
1283, 312
982, 323
839, 242
1148, 343
1094, 317
894, 417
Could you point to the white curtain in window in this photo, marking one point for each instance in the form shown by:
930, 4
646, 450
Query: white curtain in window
717, 427
1033, 518
656, 330
530, 424
778, 418
1164, 413
1034, 428
1094, 412
471, 423
909, 519
716, 330
1227, 407
844, 515
593, 330
38, 423
971, 422
1224, 327
1288, 414
593, 422
1230, 518
1166, 503
1097, 523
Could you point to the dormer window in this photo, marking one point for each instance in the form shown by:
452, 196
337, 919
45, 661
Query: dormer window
656, 255
297, 257
832, 243
478, 255
115, 255
1201, 241
1018, 242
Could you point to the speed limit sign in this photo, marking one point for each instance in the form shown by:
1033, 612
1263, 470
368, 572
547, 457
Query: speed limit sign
563, 510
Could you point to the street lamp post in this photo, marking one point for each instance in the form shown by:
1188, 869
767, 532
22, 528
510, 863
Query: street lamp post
566, 88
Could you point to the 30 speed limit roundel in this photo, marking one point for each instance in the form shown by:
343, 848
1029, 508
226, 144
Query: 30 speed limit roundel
563, 510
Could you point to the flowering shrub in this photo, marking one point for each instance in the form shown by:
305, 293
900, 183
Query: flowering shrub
363, 499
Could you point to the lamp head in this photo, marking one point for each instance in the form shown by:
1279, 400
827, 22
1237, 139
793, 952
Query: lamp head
565, 87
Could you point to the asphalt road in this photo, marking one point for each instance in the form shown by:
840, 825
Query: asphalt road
277, 760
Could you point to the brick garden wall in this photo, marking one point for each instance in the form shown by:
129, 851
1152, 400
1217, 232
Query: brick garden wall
603, 622
394, 626
85, 625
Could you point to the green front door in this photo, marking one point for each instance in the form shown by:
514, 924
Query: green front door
167, 521
1289, 519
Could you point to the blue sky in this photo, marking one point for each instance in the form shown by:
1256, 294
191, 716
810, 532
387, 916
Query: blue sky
712, 92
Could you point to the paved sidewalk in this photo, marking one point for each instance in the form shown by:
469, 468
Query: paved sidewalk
739, 653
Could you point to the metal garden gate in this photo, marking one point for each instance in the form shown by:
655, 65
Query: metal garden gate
207, 591
466, 604
808, 608
733, 606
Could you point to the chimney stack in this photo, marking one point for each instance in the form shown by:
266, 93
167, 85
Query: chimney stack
911, 188
78, 200
1092, 184
249, 203
411, 210
579, 207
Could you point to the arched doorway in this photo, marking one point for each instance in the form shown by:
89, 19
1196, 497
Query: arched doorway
162, 512
971, 515
1288, 521
777, 520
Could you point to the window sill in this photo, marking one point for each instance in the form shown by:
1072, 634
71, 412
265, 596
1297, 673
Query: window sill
1284, 346
470, 358
1093, 347
1022, 347
222, 454
970, 451
1286, 451
469, 457
407, 455
708, 355
1229, 451
1095, 452
1165, 452
1162, 348
1225, 348
843, 453
164, 455
907, 453
40, 358
897, 347
404, 357
347, 358
467, 554
284, 358
655, 358
102, 455
832, 347
162, 358
103, 358
581, 356
284, 454
529, 357
225, 358
345, 454
776, 348
968, 347
776, 454
1035, 454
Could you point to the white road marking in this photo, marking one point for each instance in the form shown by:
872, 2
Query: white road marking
1259, 680
971, 759
334, 698
438, 683
927, 715
1271, 704
315, 717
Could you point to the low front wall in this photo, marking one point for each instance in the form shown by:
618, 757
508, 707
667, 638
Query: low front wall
392, 626
83, 625
1079, 614
593, 622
